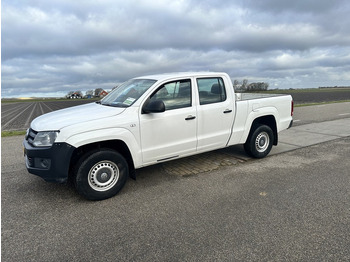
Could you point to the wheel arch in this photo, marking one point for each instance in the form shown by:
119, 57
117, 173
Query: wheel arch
268, 120
117, 145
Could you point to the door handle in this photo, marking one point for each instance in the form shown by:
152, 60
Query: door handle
190, 117
227, 111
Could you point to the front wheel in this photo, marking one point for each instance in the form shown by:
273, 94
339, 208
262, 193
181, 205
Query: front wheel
101, 175
259, 141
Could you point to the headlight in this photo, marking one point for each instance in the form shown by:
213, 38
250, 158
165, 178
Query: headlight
45, 138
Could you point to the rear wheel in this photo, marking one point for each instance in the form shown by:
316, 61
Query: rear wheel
101, 174
259, 141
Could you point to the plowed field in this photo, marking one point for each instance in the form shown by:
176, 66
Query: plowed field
18, 115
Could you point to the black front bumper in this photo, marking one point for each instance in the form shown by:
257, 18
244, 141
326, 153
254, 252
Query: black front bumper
50, 163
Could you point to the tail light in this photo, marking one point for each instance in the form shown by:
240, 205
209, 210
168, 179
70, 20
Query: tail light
292, 109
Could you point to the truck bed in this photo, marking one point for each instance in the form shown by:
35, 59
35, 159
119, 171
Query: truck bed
251, 96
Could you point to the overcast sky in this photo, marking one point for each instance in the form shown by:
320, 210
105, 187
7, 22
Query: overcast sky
51, 47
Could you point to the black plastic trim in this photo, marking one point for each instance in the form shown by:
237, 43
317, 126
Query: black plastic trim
290, 124
56, 157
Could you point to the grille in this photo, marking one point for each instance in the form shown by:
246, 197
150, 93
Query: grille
30, 161
31, 136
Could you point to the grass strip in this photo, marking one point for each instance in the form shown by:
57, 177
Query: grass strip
321, 103
13, 133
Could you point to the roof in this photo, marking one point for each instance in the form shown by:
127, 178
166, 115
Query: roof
165, 76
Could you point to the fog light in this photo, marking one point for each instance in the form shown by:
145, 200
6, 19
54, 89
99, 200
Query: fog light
45, 163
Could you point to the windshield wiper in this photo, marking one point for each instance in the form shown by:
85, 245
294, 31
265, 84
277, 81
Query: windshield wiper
118, 105
113, 104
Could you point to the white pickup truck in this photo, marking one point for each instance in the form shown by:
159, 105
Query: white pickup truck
149, 120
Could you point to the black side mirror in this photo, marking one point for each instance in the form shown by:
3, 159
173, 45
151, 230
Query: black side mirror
156, 106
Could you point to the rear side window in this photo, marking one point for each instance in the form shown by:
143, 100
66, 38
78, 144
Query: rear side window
211, 90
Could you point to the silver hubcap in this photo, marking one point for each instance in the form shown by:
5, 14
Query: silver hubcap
103, 176
262, 142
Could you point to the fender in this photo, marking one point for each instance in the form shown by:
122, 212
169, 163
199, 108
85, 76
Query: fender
255, 114
99, 135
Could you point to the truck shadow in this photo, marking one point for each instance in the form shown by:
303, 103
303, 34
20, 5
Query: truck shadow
185, 167
146, 177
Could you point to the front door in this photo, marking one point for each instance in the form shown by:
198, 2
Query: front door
172, 133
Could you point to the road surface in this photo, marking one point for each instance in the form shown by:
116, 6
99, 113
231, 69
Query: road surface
293, 206
321, 113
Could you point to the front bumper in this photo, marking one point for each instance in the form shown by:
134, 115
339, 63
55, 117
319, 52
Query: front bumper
49, 163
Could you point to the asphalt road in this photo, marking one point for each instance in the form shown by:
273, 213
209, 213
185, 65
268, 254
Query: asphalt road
293, 206
320, 113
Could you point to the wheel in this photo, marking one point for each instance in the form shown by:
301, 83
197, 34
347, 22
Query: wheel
100, 175
259, 141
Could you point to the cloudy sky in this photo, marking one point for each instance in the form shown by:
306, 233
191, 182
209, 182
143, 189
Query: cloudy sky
51, 47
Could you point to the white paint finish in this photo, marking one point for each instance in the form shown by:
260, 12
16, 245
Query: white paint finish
214, 125
168, 134
59, 119
157, 136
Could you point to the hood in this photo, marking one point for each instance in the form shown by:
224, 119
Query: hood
69, 116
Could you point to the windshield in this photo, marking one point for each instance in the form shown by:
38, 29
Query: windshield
127, 93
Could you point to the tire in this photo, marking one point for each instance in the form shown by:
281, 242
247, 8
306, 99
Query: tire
259, 141
101, 174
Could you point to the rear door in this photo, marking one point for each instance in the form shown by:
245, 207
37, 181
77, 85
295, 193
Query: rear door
172, 133
215, 113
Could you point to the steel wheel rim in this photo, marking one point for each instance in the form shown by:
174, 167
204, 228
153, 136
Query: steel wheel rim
103, 175
262, 142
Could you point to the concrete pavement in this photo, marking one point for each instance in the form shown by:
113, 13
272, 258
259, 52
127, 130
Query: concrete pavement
312, 134
291, 139
320, 113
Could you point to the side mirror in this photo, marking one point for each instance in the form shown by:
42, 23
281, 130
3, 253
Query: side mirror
156, 106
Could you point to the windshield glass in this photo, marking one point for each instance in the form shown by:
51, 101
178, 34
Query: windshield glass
127, 93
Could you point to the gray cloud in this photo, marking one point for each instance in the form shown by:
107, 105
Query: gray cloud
57, 46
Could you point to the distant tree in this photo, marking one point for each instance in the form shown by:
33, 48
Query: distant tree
265, 86
89, 92
98, 91
260, 86
236, 85
245, 84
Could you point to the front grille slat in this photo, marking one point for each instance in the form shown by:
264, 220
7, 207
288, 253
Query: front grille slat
31, 135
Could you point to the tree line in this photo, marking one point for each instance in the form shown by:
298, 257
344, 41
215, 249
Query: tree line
244, 86
88, 94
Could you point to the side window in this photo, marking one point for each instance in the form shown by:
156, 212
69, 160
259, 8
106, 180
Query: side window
177, 94
211, 90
